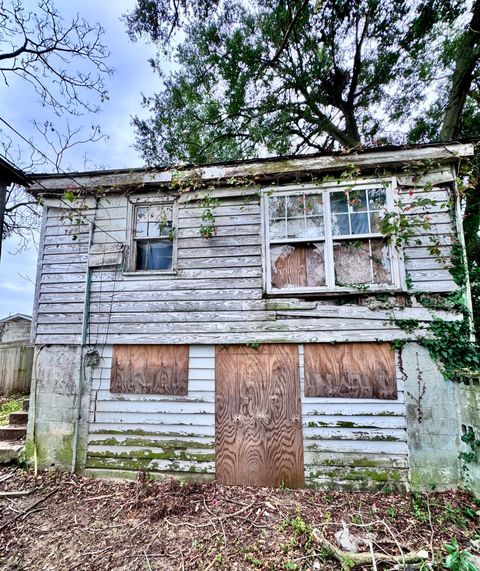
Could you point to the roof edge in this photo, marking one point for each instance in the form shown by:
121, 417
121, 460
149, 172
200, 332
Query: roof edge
376, 156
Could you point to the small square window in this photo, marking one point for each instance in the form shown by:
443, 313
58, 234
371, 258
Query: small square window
153, 237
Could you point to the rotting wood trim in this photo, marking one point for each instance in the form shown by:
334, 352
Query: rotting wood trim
249, 169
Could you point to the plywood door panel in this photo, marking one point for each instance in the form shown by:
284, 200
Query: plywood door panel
258, 417
350, 370
150, 369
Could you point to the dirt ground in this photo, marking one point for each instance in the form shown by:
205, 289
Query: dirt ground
66, 522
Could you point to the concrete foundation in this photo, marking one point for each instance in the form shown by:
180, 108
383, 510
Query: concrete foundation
433, 425
468, 394
53, 408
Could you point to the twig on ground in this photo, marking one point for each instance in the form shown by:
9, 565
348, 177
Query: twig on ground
26, 512
16, 494
346, 558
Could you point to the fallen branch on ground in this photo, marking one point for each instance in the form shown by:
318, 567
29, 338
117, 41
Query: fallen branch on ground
346, 559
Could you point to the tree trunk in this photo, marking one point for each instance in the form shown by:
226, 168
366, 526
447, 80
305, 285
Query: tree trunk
467, 58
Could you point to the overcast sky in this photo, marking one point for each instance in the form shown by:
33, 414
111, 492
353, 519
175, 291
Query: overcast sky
19, 105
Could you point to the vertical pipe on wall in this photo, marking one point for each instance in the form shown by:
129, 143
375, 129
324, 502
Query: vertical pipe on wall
81, 372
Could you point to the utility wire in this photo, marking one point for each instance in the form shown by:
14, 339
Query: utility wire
64, 173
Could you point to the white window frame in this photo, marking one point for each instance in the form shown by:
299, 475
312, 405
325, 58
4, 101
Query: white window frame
397, 265
135, 202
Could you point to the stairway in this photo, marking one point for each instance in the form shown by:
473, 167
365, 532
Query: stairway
12, 436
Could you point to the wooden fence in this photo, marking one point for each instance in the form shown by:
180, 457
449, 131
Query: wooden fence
15, 367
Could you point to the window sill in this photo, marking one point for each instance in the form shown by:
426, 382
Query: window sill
304, 292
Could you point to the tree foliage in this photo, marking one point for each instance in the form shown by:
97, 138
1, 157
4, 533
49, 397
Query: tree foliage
282, 76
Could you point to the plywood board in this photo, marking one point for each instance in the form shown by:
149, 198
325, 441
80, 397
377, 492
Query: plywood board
350, 370
258, 417
150, 369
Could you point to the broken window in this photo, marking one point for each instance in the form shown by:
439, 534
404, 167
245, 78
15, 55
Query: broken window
153, 234
329, 239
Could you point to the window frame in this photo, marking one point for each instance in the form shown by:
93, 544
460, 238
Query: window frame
145, 201
325, 189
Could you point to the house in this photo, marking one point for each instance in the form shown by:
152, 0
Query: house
16, 354
260, 322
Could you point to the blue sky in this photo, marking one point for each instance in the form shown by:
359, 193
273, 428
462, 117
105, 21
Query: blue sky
20, 106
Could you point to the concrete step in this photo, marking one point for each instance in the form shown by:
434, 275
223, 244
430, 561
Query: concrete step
12, 432
26, 403
10, 451
18, 418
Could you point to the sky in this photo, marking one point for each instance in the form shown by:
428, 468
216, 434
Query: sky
20, 106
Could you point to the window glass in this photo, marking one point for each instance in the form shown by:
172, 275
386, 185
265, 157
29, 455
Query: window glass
296, 216
153, 237
300, 255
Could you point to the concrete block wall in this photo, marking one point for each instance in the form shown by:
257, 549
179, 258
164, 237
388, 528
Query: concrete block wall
53, 408
468, 394
433, 424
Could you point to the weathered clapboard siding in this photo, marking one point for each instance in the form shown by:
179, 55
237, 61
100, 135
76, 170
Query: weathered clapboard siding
216, 296
433, 274
158, 433
348, 441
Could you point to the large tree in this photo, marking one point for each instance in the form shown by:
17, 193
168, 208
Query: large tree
283, 76
65, 63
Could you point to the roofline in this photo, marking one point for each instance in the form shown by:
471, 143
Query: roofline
14, 175
376, 156
16, 316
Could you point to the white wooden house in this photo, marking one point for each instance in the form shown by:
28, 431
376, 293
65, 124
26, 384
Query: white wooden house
244, 320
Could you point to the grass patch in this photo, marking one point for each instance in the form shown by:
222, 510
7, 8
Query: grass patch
9, 404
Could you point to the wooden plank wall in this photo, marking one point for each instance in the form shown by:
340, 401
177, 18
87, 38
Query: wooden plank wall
158, 433
216, 296
353, 442
425, 272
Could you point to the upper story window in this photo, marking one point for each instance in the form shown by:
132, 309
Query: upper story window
152, 236
329, 239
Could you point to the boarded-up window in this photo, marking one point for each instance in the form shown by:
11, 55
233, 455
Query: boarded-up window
297, 265
350, 370
150, 369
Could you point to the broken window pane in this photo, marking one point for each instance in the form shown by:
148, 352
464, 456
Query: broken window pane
377, 198
382, 268
362, 262
301, 265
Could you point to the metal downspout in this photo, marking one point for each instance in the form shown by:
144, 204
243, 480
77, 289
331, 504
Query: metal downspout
81, 372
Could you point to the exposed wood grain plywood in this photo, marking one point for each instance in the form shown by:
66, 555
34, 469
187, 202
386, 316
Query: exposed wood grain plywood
353, 370
150, 369
258, 420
